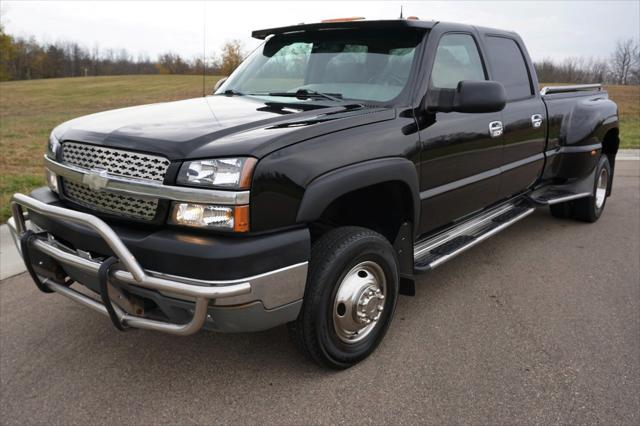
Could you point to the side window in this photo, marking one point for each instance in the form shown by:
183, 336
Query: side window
457, 58
509, 67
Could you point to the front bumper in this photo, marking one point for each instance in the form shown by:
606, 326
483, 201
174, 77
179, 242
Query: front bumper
256, 302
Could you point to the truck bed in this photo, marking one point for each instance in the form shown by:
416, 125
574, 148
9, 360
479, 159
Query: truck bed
579, 118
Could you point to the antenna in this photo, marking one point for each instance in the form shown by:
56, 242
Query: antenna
400, 11
204, 47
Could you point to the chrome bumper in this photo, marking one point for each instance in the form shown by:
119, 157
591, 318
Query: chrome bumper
199, 291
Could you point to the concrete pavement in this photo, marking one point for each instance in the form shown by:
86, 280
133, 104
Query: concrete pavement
538, 325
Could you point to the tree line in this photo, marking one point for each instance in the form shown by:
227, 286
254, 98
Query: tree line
622, 67
25, 58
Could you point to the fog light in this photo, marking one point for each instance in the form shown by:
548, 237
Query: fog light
52, 180
210, 216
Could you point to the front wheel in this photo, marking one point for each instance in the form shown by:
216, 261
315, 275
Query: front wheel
350, 297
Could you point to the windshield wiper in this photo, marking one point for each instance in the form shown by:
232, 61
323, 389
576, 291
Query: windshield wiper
231, 92
303, 94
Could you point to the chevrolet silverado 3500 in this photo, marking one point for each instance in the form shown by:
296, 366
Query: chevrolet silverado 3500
337, 163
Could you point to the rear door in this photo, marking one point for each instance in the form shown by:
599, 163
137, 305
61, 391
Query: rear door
460, 159
523, 116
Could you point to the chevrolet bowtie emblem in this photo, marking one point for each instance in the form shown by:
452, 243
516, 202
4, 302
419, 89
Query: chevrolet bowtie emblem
96, 179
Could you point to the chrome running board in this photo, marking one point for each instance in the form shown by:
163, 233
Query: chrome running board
436, 250
550, 196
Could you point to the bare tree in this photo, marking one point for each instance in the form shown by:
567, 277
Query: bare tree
572, 70
625, 61
171, 63
634, 77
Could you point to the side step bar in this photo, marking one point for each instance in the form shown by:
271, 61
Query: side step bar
551, 196
434, 251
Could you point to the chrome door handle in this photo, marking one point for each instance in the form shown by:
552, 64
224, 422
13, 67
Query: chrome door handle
536, 120
495, 129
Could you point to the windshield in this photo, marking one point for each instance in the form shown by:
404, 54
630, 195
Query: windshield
343, 64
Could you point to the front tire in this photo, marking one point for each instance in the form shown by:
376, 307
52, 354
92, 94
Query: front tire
350, 297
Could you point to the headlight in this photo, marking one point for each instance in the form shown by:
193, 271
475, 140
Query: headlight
222, 172
230, 218
53, 146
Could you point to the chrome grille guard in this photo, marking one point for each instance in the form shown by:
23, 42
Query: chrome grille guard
132, 273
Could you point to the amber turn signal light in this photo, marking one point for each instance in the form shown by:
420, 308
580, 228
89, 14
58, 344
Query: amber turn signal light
241, 219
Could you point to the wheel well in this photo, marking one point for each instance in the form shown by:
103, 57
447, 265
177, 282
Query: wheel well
610, 145
382, 207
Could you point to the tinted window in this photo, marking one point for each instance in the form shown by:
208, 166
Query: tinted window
509, 67
457, 59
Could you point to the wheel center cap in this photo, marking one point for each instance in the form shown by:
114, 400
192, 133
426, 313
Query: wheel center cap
370, 305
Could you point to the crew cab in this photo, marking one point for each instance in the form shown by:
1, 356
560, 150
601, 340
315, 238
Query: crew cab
339, 162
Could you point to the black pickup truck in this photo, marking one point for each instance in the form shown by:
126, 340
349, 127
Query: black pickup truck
340, 160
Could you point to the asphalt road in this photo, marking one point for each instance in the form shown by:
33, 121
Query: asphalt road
538, 325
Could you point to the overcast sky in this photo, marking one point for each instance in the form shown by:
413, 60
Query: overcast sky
554, 30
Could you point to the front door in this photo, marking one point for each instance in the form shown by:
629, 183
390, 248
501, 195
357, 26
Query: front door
460, 161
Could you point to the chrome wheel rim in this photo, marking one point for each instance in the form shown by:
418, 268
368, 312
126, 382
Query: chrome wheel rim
601, 188
359, 302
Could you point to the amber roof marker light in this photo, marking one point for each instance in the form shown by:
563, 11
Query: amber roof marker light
354, 18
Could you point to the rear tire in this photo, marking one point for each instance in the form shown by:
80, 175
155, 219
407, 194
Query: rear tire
350, 297
588, 209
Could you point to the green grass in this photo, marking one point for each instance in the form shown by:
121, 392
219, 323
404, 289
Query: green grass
17, 183
628, 100
630, 133
30, 109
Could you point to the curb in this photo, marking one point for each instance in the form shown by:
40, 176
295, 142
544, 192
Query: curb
10, 261
628, 154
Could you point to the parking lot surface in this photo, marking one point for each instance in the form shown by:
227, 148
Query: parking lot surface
540, 324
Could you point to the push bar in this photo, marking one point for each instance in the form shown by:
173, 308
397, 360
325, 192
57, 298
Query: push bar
132, 272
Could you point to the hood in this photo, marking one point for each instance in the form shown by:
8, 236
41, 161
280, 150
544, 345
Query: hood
217, 126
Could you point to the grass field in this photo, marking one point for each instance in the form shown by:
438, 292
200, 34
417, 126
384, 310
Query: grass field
30, 109
628, 100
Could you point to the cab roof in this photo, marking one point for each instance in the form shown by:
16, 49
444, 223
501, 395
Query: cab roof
344, 25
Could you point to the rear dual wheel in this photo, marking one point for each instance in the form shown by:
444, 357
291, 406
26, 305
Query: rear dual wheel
350, 297
588, 209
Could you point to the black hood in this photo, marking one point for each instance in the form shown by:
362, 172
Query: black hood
217, 126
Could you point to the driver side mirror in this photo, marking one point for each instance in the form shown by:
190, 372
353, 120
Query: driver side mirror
469, 96
219, 83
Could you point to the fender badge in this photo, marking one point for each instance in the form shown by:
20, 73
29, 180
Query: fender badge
96, 179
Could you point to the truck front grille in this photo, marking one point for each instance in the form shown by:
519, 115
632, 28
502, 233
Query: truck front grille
116, 162
133, 207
